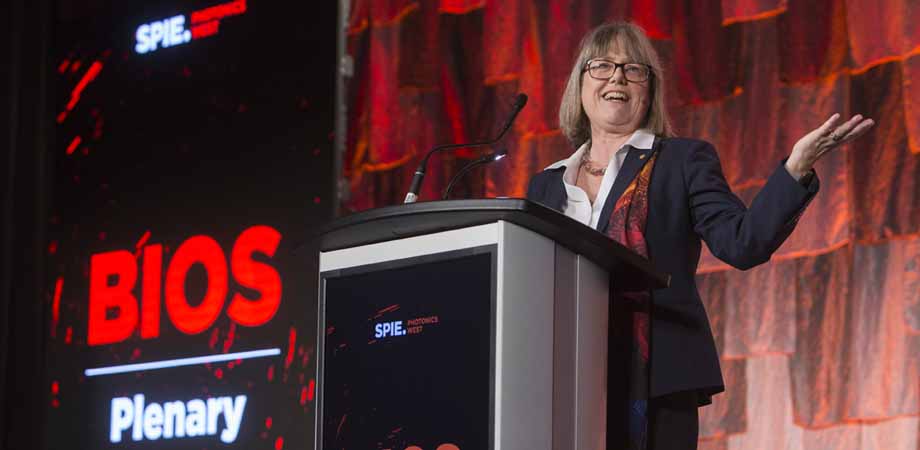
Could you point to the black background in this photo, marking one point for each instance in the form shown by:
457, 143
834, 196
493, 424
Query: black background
209, 137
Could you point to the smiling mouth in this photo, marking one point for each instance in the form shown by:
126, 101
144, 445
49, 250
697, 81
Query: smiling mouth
616, 97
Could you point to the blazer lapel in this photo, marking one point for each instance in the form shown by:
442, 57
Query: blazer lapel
634, 162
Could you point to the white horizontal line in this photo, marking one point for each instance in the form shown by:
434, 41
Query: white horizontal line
153, 365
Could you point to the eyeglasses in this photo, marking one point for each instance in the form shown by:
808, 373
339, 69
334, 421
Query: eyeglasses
602, 69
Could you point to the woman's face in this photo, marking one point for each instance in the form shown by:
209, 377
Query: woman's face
616, 105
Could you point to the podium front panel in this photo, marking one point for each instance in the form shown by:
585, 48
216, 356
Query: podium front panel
407, 351
486, 337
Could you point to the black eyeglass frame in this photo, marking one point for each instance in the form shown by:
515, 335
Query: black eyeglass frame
616, 65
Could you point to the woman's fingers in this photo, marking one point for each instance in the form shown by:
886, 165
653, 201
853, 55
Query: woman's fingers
826, 127
845, 128
858, 130
849, 130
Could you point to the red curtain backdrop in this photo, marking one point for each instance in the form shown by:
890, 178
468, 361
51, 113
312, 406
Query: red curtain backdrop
820, 346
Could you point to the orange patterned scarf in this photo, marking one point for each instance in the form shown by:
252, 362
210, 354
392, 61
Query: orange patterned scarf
631, 309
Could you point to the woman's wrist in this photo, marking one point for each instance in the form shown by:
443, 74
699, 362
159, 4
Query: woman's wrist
797, 168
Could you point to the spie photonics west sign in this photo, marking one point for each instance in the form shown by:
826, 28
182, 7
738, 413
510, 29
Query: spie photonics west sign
181, 29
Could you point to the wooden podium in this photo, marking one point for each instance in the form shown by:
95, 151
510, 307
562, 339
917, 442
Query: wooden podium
467, 324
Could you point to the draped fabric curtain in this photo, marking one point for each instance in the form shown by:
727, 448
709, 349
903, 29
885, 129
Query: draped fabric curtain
821, 346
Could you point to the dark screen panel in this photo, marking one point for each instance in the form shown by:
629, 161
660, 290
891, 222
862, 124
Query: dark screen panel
407, 355
188, 181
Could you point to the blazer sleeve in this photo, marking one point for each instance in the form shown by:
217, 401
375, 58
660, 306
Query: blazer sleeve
740, 236
547, 189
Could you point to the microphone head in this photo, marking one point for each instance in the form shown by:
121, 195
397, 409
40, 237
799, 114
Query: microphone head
520, 101
499, 153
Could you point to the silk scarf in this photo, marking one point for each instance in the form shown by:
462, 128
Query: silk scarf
632, 309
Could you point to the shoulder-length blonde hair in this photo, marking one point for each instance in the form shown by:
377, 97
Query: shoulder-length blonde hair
632, 40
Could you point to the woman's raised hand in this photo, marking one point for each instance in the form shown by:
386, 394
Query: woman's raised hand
811, 147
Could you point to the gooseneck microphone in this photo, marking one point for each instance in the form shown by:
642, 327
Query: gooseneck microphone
412, 196
491, 157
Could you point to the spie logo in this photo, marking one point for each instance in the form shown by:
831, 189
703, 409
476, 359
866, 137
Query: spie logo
389, 329
396, 328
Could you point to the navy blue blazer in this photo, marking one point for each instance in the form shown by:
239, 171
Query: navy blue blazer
690, 200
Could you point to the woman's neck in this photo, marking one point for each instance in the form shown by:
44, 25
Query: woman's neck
604, 144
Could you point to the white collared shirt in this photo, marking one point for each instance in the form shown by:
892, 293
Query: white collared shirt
578, 206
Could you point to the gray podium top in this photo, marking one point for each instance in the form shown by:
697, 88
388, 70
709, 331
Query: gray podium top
629, 270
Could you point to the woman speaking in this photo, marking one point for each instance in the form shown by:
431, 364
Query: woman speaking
632, 179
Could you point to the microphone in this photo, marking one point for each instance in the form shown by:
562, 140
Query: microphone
519, 101
491, 157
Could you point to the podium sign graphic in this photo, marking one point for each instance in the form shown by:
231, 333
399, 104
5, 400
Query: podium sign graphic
407, 352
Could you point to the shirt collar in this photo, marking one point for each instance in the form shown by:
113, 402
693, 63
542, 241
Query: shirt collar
641, 139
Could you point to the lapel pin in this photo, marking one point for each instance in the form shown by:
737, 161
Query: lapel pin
642, 156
